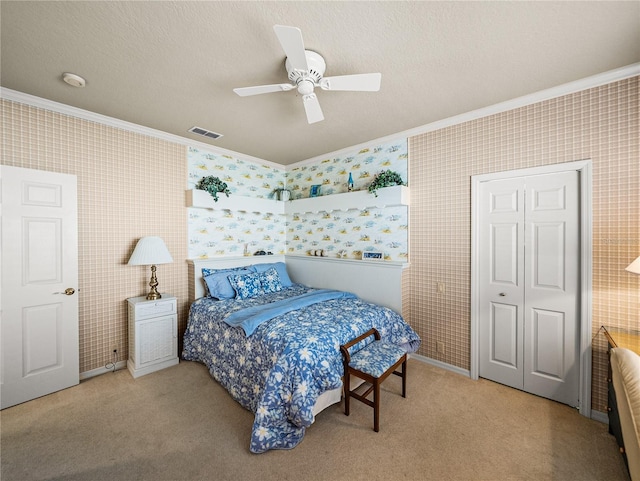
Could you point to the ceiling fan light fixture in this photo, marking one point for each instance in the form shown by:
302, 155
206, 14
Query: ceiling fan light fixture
74, 80
305, 87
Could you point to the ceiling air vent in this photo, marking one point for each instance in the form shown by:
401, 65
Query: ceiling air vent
205, 132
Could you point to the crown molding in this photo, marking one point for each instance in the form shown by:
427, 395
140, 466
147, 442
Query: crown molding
598, 80
64, 109
543, 95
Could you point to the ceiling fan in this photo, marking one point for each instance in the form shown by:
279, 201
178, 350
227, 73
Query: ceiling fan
305, 69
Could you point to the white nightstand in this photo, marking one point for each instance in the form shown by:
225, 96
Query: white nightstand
153, 334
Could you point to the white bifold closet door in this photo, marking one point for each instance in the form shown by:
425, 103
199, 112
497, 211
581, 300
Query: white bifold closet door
529, 284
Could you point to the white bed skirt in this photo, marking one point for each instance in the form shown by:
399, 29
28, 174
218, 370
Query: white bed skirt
326, 399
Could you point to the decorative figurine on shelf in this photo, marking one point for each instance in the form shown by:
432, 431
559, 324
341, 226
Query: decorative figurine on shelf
350, 183
314, 190
342, 254
213, 185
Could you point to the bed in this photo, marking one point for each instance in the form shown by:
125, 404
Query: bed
277, 351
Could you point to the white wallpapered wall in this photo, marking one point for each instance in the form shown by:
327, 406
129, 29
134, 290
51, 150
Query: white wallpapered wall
226, 233
215, 233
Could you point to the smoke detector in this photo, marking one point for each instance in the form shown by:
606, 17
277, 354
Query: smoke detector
73, 79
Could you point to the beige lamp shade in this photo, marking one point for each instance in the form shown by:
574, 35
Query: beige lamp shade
634, 266
150, 251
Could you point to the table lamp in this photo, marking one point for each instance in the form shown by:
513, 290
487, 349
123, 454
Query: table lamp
151, 251
634, 267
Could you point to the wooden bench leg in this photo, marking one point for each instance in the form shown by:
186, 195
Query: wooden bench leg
376, 405
404, 378
347, 391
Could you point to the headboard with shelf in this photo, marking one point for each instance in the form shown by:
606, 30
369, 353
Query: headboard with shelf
379, 282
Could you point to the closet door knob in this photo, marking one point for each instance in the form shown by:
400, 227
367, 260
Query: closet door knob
502, 294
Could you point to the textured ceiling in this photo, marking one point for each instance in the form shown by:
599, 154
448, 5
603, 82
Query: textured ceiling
172, 65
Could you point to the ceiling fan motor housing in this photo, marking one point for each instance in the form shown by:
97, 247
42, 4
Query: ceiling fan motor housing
316, 65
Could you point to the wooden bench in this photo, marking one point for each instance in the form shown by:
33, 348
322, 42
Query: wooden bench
373, 364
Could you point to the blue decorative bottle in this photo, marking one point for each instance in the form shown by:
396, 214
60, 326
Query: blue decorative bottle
350, 183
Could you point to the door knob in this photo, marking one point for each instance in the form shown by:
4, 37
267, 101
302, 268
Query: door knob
502, 294
69, 291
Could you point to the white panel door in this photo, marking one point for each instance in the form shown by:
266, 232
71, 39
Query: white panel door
39, 335
529, 271
501, 290
551, 363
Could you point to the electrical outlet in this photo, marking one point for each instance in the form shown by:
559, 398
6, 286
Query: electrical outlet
440, 287
440, 347
114, 348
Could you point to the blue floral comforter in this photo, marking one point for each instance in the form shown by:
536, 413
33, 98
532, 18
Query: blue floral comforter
279, 371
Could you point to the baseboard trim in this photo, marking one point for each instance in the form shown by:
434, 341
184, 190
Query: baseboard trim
440, 364
600, 416
595, 415
427, 360
102, 370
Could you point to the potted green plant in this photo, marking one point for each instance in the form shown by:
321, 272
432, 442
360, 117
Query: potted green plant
386, 178
213, 185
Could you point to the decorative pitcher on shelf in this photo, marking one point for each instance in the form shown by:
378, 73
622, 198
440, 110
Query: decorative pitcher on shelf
285, 195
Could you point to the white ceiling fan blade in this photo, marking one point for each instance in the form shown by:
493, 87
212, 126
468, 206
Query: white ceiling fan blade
312, 107
364, 82
293, 46
263, 89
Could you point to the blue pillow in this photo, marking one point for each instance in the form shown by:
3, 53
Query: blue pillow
218, 282
246, 286
270, 281
280, 267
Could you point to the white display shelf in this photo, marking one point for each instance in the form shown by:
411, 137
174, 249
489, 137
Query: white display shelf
361, 199
202, 199
333, 258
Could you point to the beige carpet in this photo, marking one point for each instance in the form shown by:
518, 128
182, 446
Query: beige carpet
179, 424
